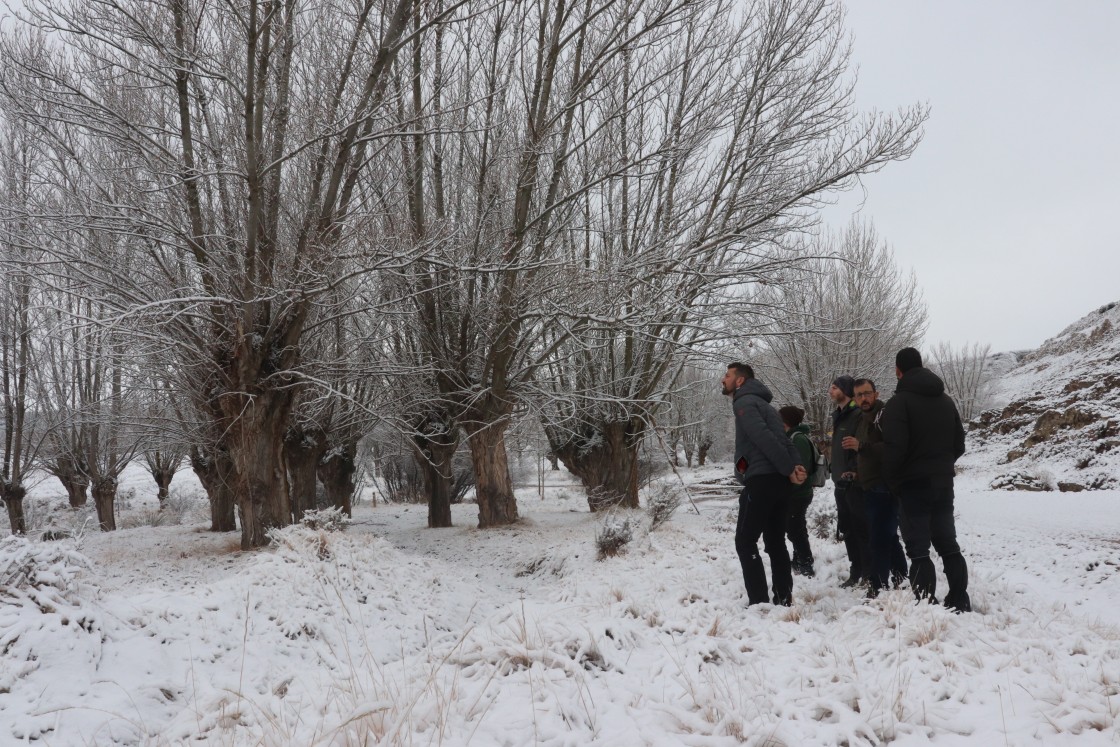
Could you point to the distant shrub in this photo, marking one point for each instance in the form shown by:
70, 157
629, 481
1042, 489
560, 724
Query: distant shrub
613, 537
328, 519
663, 501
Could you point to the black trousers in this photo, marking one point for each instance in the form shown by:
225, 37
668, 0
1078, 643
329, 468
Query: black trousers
887, 558
797, 530
926, 518
851, 522
763, 509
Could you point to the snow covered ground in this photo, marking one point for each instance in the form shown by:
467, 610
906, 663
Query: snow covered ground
391, 633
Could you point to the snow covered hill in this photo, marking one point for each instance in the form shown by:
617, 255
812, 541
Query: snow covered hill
1057, 426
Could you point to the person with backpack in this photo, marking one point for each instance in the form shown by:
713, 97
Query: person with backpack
796, 526
766, 465
888, 561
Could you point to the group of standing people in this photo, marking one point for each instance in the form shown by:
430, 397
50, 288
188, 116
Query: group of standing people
892, 467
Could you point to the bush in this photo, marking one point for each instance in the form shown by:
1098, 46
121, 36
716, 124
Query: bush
821, 519
327, 519
613, 536
663, 501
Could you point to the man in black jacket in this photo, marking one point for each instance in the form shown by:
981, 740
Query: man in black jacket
767, 465
851, 514
923, 437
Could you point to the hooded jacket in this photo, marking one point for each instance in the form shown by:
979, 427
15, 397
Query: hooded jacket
922, 432
761, 444
799, 437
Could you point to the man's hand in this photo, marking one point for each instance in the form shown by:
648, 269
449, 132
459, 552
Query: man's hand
799, 475
848, 476
850, 442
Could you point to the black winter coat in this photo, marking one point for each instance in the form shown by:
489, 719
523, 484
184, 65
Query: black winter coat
845, 420
761, 444
922, 432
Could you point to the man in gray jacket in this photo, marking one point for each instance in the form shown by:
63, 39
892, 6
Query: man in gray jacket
767, 465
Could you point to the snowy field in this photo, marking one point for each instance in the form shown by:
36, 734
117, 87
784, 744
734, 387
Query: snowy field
391, 633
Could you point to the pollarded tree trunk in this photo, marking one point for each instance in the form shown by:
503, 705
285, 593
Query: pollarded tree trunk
607, 465
302, 451
73, 479
553, 460
215, 471
163, 483
336, 471
104, 497
435, 458
256, 445
702, 453
13, 495
493, 487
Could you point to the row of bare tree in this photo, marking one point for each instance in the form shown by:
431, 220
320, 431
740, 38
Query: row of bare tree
293, 220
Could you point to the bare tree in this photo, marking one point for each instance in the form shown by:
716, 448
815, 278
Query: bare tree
966, 374
848, 312
233, 137
17, 296
751, 124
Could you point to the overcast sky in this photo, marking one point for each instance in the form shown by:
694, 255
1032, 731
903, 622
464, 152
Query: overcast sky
1009, 210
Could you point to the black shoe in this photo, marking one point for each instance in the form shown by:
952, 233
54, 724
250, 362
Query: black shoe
871, 593
958, 603
852, 582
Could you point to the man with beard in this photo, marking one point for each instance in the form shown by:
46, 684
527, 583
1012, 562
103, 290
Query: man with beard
887, 558
923, 438
851, 515
767, 465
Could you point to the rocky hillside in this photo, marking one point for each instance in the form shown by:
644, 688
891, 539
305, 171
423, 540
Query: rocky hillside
1057, 421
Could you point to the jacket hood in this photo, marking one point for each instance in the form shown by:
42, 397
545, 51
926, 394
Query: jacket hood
755, 387
803, 428
921, 381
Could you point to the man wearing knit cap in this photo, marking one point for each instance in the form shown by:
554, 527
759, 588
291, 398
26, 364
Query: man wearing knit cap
923, 437
851, 515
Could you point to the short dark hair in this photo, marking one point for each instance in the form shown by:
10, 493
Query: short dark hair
908, 358
791, 415
741, 369
861, 382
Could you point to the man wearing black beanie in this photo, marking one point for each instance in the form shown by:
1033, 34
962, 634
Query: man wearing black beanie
923, 437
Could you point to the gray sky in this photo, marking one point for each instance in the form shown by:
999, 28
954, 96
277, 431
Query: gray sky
1009, 210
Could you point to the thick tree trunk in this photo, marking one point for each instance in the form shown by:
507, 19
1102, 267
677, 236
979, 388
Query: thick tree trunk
215, 472
256, 445
702, 455
336, 471
607, 465
493, 487
163, 483
435, 457
73, 479
302, 451
553, 460
13, 495
104, 497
